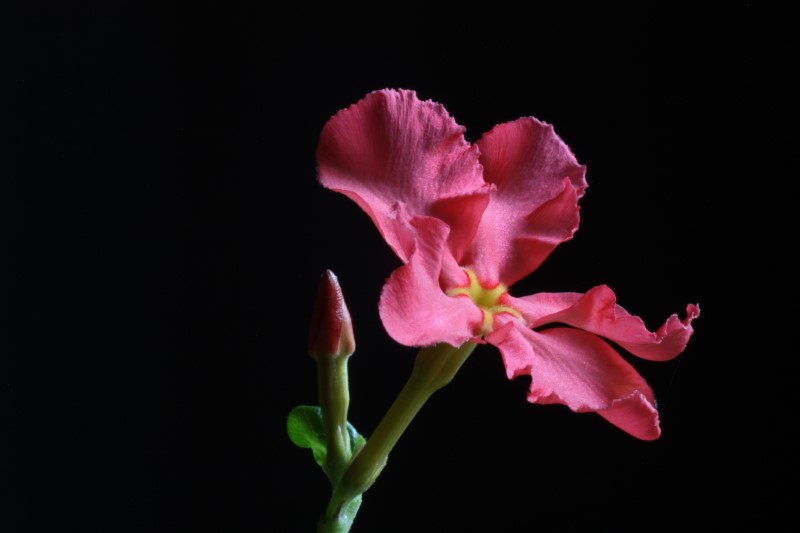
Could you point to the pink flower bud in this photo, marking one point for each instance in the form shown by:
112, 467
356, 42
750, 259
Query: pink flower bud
331, 332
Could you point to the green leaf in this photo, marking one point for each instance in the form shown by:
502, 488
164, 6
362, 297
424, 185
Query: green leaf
356, 439
306, 430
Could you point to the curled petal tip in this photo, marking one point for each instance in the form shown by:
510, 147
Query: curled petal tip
636, 414
331, 331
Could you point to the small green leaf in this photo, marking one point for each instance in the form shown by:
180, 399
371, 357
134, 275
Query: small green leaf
356, 439
350, 510
306, 430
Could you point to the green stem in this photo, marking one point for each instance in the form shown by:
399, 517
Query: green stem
434, 367
339, 515
334, 397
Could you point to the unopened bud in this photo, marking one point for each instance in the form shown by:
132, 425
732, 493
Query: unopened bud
331, 333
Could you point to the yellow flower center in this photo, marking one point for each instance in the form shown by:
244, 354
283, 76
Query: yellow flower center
485, 298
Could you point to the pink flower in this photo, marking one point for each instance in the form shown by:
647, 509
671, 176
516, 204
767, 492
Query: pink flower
468, 221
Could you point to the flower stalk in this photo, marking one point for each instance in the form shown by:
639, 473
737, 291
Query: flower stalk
434, 368
334, 398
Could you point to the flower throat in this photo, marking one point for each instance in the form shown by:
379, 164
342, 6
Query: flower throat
486, 298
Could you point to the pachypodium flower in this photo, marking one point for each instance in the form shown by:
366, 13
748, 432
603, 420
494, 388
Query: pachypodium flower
468, 221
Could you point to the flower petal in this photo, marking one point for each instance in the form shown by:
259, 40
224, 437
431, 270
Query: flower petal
535, 206
597, 311
635, 414
414, 309
392, 148
579, 370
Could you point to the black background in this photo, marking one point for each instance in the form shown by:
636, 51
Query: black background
165, 236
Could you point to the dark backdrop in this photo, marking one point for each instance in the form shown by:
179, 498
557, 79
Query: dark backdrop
165, 236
